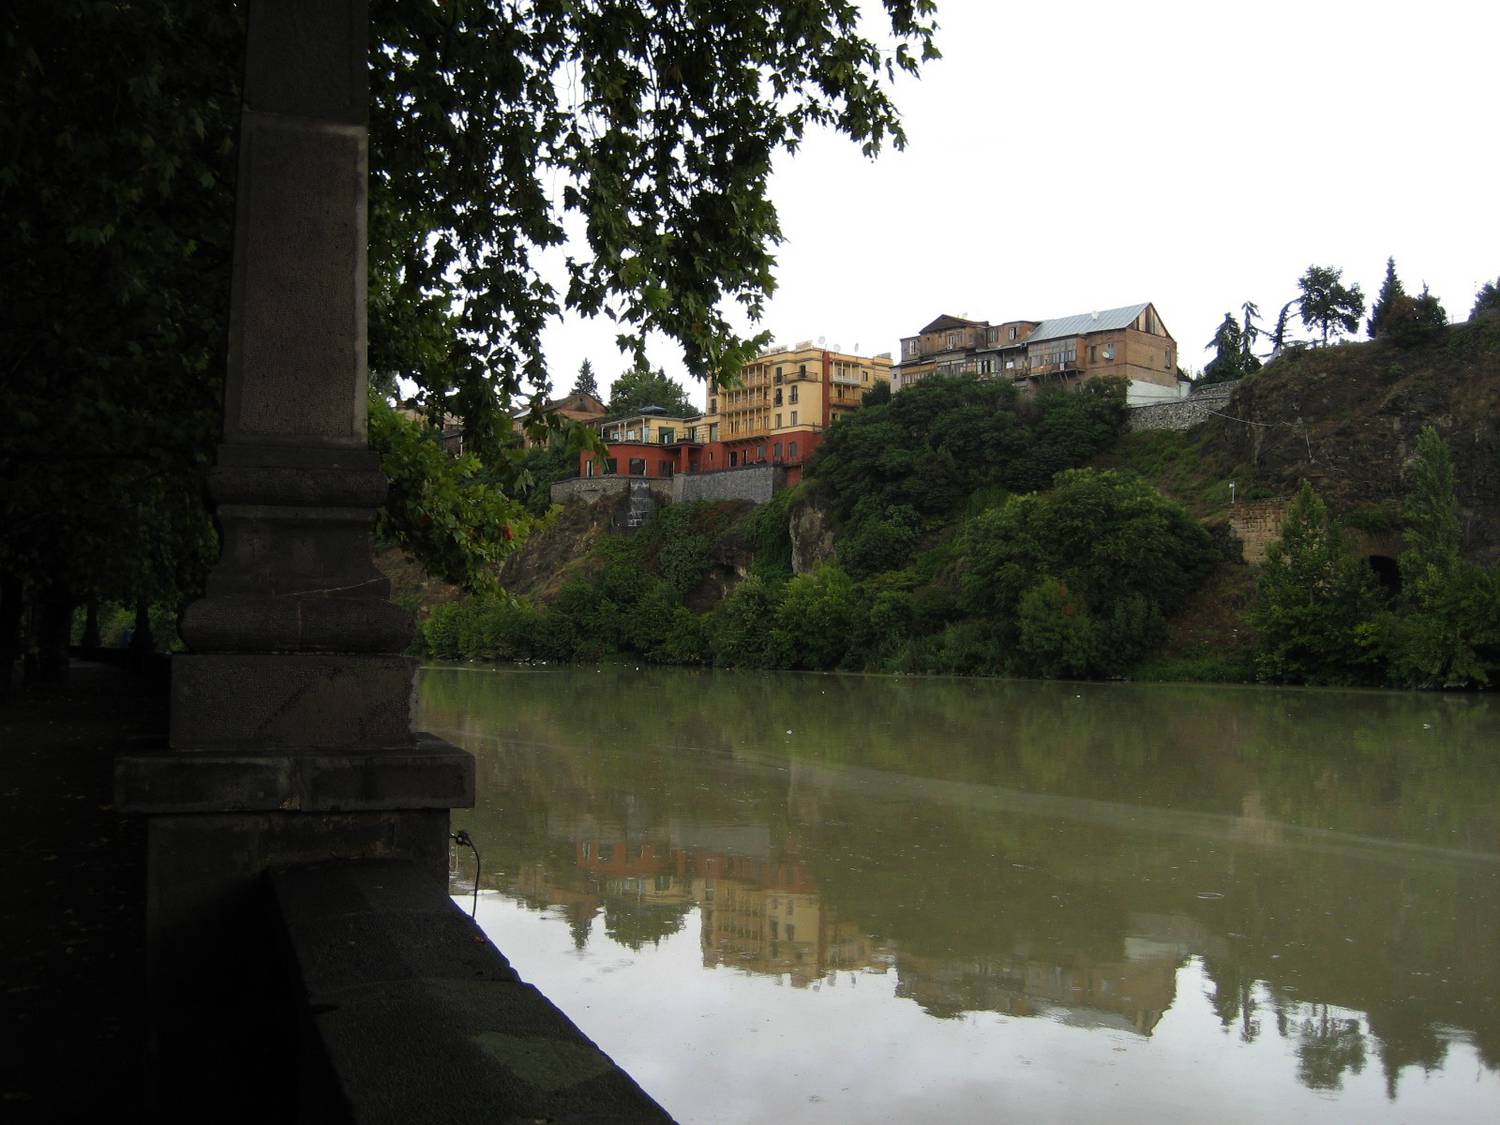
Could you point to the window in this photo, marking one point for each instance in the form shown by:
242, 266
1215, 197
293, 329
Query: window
1109, 351
778, 374
1012, 332
794, 417
1093, 353
778, 421
865, 375
611, 466
713, 406
793, 396
802, 370
1169, 359
667, 435
664, 468
588, 467
791, 451
760, 453
734, 458
637, 466
776, 452
778, 396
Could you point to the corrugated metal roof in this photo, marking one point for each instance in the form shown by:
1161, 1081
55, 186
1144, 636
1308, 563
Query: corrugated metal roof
1101, 321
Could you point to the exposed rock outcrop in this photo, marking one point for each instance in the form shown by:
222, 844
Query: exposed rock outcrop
811, 530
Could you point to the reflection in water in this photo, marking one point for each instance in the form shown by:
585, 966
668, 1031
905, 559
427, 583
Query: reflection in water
1322, 866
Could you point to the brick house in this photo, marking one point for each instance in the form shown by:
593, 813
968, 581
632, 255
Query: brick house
1130, 342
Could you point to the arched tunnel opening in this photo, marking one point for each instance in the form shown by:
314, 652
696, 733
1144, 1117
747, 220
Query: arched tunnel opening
1387, 572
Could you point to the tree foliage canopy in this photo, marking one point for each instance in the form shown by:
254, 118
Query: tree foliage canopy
1326, 304
1079, 577
929, 448
1232, 356
1487, 300
647, 130
642, 387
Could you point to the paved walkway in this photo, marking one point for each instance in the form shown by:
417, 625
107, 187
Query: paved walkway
72, 898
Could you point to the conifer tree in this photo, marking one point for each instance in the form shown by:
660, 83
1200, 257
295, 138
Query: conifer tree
586, 383
1312, 598
1227, 343
1487, 300
1278, 334
1390, 290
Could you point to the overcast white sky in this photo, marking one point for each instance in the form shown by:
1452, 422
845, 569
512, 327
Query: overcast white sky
1078, 155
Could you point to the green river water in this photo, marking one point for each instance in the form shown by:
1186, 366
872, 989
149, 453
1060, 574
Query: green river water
776, 897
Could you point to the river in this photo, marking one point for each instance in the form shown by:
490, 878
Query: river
784, 897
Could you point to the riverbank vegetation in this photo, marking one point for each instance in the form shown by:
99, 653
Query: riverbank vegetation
958, 528
952, 555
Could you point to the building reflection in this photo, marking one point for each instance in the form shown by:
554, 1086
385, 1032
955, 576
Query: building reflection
762, 913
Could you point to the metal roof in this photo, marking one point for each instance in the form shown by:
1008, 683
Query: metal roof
1101, 321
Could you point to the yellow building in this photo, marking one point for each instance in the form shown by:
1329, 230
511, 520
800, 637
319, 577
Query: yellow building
783, 402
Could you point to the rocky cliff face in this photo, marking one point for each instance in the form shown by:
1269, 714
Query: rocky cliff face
1346, 418
545, 562
811, 532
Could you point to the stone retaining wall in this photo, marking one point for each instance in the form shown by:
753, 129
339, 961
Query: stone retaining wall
408, 1013
593, 489
1183, 415
756, 483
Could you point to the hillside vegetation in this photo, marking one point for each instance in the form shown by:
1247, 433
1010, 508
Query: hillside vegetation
960, 528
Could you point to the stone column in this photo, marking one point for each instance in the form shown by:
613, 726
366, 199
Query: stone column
290, 734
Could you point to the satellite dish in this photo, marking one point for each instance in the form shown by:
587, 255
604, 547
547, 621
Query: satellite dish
821, 340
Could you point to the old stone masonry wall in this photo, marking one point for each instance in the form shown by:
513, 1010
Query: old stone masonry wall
1183, 415
756, 483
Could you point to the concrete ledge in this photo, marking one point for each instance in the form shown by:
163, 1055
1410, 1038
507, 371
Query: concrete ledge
417, 1017
425, 774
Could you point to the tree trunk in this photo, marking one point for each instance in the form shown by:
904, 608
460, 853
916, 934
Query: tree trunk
141, 639
54, 623
11, 603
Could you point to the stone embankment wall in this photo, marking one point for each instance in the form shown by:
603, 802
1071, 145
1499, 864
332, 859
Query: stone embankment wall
756, 483
1183, 415
1257, 525
594, 489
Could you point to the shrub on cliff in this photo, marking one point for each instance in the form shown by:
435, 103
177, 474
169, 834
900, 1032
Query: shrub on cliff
1315, 603
1076, 580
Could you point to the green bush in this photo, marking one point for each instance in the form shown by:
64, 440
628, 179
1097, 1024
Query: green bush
877, 540
685, 641
818, 617
1057, 636
741, 631
1314, 603
1113, 551
440, 631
